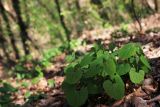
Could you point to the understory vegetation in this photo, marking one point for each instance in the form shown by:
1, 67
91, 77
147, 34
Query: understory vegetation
80, 53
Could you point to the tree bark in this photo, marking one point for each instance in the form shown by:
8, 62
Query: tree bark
22, 26
8, 27
135, 15
156, 5
62, 20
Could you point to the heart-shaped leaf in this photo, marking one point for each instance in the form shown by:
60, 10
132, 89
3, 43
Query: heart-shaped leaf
73, 77
136, 77
127, 51
123, 69
110, 67
86, 59
77, 98
93, 70
114, 89
145, 62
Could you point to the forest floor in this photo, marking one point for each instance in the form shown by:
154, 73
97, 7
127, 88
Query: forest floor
54, 97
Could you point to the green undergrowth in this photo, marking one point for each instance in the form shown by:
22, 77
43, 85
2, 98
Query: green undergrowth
100, 71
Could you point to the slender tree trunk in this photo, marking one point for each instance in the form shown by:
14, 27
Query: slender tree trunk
3, 43
156, 5
62, 20
26, 13
77, 5
8, 27
135, 15
22, 26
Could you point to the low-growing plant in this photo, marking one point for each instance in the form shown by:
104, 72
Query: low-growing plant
33, 97
6, 91
101, 70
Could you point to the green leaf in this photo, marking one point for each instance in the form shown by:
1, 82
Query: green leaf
6, 98
93, 70
67, 87
73, 77
132, 60
19, 68
69, 68
27, 94
110, 67
70, 58
86, 59
106, 55
100, 53
137, 59
19, 76
35, 80
114, 89
77, 98
138, 48
97, 46
25, 84
7, 88
123, 69
97, 61
127, 51
145, 69
92, 88
144, 61
51, 83
136, 77
112, 46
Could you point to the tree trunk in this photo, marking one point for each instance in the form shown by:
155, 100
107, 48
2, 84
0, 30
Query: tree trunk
135, 16
156, 5
8, 27
62, 20
22, 26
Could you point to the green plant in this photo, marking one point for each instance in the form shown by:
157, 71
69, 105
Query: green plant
33, 97
5, 94
51, 83
101, 71
27, 67
48, 55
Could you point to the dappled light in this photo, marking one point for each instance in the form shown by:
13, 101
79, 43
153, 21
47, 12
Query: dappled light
79, 53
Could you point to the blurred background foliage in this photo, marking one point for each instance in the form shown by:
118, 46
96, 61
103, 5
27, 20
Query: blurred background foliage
43, 28
33, 32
